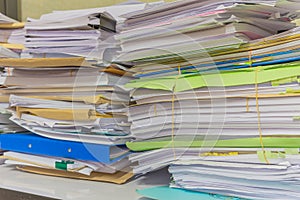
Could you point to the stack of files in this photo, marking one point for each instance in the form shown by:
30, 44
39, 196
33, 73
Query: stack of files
223, 110
219, 101
66, 159
245, 180
67, 98
225, 119
280, 48
75, 32
11, 31
233, 172
178, 30
242, 98
60, 91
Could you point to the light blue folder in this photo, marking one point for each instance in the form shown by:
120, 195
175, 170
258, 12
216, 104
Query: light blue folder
167, 193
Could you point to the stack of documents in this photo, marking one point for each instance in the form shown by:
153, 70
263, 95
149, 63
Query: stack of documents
218, 92
67, 98
80, 110
66, 159
220, 109
73, 103
245, 180
177, 31
75, 32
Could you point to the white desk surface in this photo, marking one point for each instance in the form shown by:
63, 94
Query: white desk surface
62, 188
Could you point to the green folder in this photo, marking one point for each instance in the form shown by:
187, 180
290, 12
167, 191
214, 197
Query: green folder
268, 142
238, 77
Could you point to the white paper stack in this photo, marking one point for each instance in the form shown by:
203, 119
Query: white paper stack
217, 86
62, 91
60, 95
194, 97
244, 180
184, 27
75, 32
68, 98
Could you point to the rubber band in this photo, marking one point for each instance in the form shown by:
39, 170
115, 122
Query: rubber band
173, 113
19, 114
247, 104
259, 118
250, 65
257, 108
173, 123
155, 110
250, 58
179, 70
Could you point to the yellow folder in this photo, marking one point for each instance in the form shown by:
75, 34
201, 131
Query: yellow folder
62, 114
117, 178
44, 62
12, 25
13, 46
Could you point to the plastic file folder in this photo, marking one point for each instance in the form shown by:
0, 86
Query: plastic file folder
34, 144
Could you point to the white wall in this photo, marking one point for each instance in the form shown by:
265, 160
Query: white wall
35, 8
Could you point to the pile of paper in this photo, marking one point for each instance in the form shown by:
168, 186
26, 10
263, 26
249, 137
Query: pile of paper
75, 106
213, 99
84, 33
71, 97
175, 33
251, 181
216, 96
71, 100
175, 102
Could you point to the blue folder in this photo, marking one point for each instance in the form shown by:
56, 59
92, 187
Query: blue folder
34, 144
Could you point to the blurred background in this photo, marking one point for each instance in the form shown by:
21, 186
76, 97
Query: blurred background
21, 9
